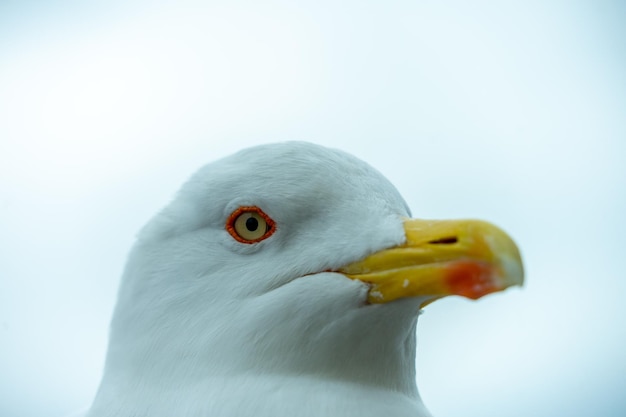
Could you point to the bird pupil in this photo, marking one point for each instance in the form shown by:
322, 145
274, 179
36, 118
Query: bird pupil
252, 224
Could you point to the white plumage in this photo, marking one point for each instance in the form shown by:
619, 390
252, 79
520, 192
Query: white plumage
208, 326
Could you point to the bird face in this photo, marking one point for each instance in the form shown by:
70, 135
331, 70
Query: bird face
295, 259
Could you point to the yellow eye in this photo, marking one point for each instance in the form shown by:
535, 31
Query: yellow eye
250, 225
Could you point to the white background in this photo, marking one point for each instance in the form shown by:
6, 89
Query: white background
511, 111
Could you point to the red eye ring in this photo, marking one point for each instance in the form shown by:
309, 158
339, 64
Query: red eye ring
249, 224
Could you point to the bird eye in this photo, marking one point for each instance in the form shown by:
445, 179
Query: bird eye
250, 225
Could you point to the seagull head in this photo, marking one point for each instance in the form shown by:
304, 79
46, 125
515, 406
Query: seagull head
290, 259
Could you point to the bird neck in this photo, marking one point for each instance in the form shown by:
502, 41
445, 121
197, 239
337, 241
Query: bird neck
373, 354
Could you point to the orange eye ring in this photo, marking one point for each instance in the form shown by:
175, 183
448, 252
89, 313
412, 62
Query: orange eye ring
249, 224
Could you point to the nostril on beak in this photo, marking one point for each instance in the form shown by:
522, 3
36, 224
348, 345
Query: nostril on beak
444, 241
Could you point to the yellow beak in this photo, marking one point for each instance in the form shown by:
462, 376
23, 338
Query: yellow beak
470, 258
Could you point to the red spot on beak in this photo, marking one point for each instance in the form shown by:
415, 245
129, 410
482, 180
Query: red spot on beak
471, 279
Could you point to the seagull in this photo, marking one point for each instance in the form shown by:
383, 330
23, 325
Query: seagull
287, 280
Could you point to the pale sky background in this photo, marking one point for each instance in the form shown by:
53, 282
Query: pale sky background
509, 111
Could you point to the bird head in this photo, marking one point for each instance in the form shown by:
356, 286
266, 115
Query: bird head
293, 259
